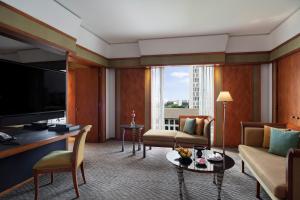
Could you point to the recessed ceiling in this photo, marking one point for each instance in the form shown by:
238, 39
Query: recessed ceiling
124, 21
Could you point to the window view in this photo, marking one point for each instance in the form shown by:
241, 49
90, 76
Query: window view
187, 90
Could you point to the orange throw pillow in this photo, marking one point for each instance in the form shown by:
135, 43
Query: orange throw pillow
267, 133
199, 126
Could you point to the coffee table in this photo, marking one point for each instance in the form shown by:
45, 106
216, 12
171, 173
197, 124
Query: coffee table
135, 130
215, 168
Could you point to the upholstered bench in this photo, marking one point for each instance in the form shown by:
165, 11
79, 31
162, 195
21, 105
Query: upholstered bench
169, 138
279, 176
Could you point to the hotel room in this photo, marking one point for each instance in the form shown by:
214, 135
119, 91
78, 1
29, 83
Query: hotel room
137, 99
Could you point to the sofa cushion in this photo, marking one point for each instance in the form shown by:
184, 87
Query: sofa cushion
159, 135
206, 129
267, 135
269, 167
189, 126
181, 123
281, 141
199, 126
182, 137
253, 136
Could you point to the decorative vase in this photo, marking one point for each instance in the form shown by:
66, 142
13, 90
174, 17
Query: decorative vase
132, 123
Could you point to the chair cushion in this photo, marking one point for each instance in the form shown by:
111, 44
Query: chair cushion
269, 167
182, 137
189, 126
159, 135
281, 141
55, 159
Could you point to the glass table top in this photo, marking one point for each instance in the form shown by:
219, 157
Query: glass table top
209, 167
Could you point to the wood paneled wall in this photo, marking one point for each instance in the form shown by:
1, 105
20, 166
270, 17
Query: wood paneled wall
132, 90
85, 101
288, 91
243, 83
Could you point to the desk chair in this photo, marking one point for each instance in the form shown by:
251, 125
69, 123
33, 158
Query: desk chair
63, 161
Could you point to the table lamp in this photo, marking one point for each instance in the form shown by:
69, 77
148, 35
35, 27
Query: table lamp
224, 97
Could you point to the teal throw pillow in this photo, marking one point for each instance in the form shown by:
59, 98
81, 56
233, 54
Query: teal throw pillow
189, 126
281, 141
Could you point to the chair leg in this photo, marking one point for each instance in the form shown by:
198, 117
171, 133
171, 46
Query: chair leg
82, 172
243, 167
36, 186
257, 190
144, 151
74, 175
51, 174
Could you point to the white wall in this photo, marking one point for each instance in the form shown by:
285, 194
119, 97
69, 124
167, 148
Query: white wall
49, 12
248, 43
110, 103
128, 50
286, 30
266, 93
214, 43
92, 42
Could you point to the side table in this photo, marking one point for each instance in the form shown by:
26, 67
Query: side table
136, 131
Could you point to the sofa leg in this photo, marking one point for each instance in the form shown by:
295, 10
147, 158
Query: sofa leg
243, 167
150, 147
257, 190
144, 151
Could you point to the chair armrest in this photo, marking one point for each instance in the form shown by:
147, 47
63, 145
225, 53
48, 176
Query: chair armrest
257, 125
293, 174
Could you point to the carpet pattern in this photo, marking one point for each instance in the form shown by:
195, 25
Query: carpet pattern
114, 175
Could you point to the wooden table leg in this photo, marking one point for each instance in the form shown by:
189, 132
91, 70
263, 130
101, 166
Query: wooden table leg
123, 139
133, 141
140, 138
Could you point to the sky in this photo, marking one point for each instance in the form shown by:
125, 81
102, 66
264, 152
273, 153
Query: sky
176, 83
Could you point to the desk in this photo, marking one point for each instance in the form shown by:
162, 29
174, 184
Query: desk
133, 131
16, 161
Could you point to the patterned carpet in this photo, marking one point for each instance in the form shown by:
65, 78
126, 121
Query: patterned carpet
113, 175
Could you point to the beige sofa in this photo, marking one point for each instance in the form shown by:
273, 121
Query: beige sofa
169, 138
279, 176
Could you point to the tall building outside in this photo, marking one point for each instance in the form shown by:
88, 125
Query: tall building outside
194, 87
195, 84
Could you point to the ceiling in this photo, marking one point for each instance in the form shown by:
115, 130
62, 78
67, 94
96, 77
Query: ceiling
125, 21
8, 45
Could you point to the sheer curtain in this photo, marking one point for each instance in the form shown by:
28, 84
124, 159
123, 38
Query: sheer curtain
206, 90
157, 100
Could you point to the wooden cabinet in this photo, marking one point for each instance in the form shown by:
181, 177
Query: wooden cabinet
86, 99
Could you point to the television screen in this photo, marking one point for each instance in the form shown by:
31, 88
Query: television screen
25, 89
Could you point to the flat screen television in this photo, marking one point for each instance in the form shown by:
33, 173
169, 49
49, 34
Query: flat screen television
29, 94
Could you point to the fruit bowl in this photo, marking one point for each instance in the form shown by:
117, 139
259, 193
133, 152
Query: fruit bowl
185, 156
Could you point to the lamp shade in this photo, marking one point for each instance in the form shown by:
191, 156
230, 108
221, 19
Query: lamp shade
224, 96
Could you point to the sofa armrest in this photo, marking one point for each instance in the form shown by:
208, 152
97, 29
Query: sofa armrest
257, 125
293, 174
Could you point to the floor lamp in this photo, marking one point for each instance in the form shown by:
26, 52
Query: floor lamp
224, 97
